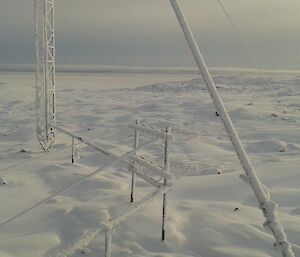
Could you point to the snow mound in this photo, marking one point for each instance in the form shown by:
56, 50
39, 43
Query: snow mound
296, 212
267, 146
286, 93
242, 114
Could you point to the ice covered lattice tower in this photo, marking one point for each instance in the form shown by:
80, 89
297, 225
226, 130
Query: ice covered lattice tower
45, 71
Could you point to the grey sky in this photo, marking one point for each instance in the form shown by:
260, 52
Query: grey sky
146, 33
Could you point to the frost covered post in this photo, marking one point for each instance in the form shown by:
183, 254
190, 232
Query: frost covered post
108, 238
268, 207
167, 169
73, 149
45, 71
133, 164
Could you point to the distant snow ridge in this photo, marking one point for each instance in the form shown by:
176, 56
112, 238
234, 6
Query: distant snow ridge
198, 84
185, 86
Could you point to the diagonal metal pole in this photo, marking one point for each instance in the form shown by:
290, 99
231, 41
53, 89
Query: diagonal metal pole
268, 207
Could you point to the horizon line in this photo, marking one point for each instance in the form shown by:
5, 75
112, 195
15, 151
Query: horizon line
65, 68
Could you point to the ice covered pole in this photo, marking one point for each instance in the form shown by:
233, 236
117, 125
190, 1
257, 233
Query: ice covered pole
268, 207
133, 165
167, 169
108, 238
73, 149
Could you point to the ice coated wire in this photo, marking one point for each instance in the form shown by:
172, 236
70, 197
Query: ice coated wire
79, 243
250, 54
88, 237
42, 155
91, 235
114, 211
69, 187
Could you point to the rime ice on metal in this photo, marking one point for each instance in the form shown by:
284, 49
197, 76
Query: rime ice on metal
45, 71
263, 196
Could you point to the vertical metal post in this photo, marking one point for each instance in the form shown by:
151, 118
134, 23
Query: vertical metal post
108, 238
73, 149
167, 168
133, 165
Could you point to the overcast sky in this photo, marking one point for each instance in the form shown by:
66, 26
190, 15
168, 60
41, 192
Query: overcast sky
146, 32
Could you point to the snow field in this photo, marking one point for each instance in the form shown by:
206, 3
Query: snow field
212, 212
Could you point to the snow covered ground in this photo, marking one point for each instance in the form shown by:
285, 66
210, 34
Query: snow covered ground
212, 213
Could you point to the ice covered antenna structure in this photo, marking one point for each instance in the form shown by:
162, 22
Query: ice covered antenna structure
45, 71
268, 207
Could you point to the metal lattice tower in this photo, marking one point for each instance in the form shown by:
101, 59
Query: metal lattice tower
45, 71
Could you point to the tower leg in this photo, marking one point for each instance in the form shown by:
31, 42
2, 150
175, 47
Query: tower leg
45, 71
